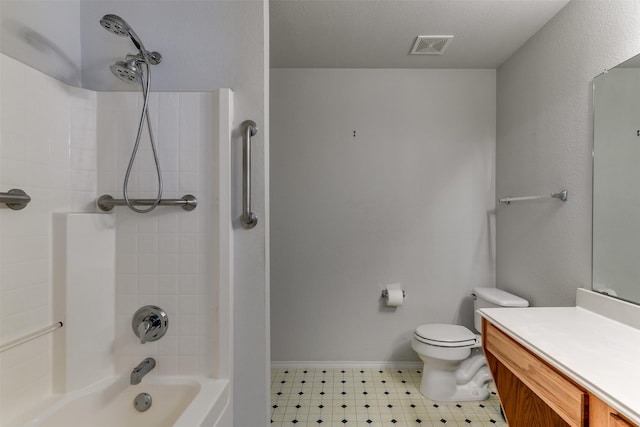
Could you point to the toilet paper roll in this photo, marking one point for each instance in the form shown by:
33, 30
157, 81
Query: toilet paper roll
394, 297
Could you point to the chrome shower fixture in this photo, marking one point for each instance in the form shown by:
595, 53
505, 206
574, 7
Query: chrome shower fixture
128, 71
136, 69
118, 26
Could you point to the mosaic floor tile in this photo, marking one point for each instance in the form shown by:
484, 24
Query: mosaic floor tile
368, 397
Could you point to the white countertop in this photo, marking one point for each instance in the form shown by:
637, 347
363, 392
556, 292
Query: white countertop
600, 354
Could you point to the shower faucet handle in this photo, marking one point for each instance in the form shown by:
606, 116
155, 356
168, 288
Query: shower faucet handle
150, 323
143, 329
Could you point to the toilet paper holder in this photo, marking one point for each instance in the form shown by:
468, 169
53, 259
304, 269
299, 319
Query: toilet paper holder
385, 293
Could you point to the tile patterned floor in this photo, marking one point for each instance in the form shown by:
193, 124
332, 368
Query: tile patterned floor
368, 397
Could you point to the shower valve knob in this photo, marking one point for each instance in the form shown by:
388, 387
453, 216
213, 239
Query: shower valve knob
150, 323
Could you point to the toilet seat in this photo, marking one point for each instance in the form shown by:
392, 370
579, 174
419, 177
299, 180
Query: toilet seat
444, 335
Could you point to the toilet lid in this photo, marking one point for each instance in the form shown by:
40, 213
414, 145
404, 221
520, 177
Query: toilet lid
443, 335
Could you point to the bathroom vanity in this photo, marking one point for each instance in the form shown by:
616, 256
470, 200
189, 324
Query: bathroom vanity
565, 366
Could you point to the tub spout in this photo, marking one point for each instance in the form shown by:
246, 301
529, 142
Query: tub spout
142, 369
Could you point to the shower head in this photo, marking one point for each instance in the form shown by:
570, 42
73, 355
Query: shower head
118, 26
128, 72
115, 24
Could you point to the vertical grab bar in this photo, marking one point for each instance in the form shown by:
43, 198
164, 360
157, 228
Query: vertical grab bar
249, 129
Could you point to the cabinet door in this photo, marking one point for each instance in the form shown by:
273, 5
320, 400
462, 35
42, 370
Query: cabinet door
602, 415
529, 388
617, 421
522, 407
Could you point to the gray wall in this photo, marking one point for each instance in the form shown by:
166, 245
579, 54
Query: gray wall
44, 35
408, 200
544, 142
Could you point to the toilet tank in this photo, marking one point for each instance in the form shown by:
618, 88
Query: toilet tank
493, 297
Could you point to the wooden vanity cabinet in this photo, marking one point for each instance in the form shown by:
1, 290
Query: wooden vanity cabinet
535, 394
602, 415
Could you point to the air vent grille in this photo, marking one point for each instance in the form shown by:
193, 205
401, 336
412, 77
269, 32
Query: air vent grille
430, 45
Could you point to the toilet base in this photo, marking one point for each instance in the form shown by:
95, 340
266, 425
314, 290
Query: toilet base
456, 381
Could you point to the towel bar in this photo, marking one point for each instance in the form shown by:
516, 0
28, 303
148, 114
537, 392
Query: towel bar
562, 195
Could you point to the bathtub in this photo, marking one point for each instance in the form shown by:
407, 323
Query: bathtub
177, 402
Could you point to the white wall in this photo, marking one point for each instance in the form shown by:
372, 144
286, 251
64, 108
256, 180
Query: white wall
167, 257
408, 200
44, 35
84, 299
544, 142
206, 45
48, 149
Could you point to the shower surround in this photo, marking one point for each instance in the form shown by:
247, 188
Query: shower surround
165, 257
66, 146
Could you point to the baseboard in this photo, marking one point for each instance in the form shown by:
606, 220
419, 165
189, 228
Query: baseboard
344, 365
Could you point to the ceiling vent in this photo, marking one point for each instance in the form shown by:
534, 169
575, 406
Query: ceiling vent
430, 45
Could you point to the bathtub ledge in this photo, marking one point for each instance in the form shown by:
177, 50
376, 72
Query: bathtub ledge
206, 408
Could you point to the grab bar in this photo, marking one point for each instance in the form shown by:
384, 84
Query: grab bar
188, 202
29, 337
15, 199
561, 195
249, 129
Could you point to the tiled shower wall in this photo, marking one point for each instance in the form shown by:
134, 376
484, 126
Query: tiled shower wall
166, 257
51, 137
48, 149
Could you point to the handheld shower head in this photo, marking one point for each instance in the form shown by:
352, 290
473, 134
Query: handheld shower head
115, 25
130, 71
118, 26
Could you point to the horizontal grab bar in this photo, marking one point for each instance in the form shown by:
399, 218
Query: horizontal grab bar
562, 195
31, 336
188, 202
15, 199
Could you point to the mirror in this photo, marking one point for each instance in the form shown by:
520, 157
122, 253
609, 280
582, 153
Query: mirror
616, 182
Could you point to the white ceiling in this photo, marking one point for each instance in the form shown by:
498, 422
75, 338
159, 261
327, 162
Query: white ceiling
380, 33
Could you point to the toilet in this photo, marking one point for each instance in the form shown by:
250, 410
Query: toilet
455, 368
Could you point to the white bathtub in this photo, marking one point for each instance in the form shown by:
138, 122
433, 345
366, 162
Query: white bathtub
177, 402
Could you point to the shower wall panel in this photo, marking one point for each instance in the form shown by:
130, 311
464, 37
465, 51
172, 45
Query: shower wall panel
166, 257
48, 149
51, 137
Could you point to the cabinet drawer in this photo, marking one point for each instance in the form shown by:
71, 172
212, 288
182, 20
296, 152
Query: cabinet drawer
557, 391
